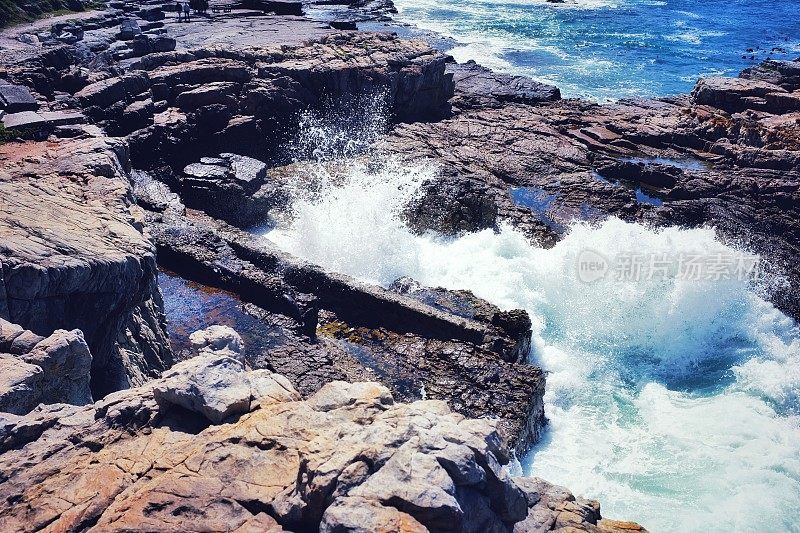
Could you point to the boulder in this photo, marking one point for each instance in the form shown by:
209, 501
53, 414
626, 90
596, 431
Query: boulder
214, 383
154, 195
37, 370
129, 28
15, 339
361, 515
32, 124
151, 14
20, 385
144, 44
214, 386
231, 187
138, 114
66, 364
218, 339
16, 98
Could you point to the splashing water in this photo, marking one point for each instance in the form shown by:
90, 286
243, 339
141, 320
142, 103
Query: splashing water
343, 128
674, 402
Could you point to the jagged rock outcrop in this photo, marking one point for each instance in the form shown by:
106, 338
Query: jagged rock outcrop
35, 370
74, 255
189, 452
554, 508
323, 326
477, 86
729, 156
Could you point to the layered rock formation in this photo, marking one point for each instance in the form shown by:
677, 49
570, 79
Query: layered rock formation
313, 438
74, 256
246, 454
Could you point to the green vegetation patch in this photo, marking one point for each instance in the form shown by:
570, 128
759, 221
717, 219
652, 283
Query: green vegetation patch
19, 11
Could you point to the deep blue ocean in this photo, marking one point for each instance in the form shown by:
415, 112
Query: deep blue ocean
608, 49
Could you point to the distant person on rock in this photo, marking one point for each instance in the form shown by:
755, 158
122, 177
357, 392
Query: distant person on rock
179, 10
186, 12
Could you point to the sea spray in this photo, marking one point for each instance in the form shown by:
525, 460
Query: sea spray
672, 400
343, 128
355, 193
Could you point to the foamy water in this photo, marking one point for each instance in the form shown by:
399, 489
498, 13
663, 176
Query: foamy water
672, 401
609, 49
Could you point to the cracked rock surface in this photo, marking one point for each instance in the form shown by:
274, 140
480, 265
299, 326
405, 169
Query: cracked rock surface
215, 447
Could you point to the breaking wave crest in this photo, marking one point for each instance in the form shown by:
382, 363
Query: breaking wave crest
673, 401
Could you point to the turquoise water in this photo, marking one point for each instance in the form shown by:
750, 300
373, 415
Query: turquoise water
672, 399
608, 49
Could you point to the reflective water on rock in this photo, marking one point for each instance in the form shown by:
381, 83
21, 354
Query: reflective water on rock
191, 306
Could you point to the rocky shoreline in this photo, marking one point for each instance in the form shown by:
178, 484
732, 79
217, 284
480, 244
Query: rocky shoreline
135, 142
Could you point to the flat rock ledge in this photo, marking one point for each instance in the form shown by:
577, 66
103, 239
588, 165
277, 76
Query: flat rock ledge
212, 446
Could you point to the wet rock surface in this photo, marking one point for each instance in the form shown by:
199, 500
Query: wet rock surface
419, 342
727, 156
452, 204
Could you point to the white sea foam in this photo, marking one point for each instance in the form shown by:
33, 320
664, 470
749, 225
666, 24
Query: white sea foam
670, 45
672, 401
